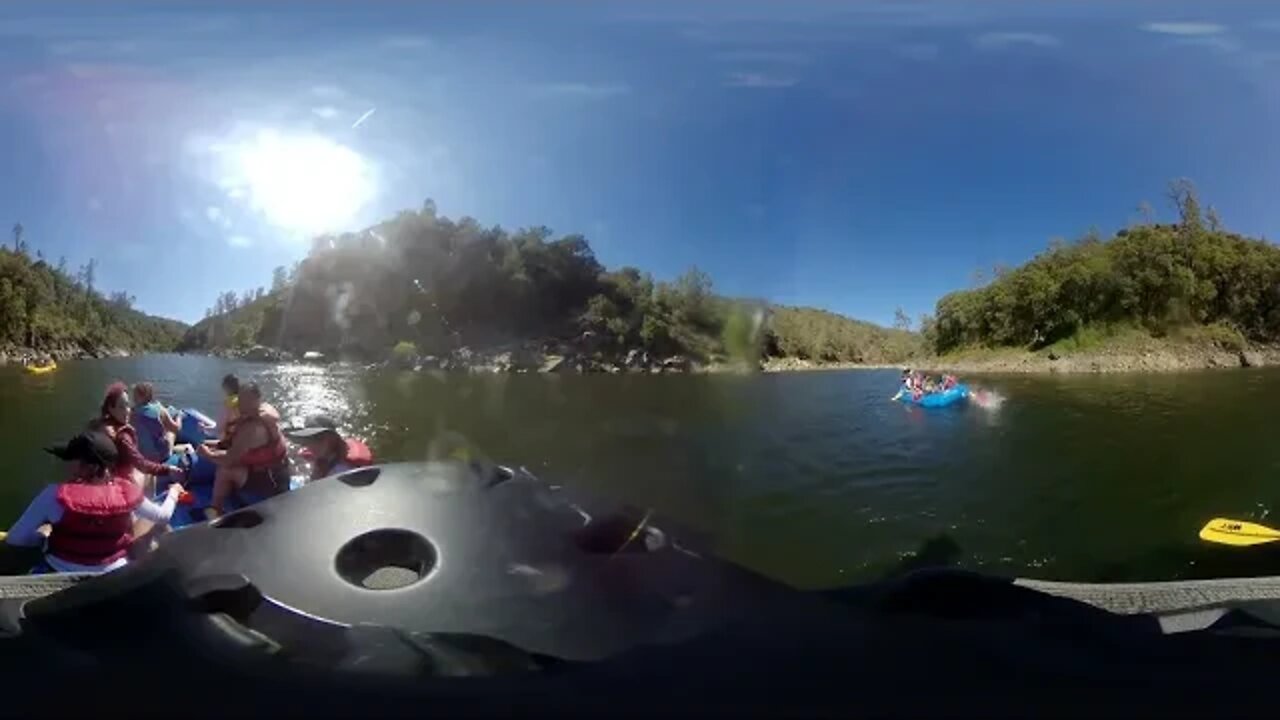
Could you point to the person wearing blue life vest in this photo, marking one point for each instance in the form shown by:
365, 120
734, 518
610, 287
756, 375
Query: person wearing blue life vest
157, 429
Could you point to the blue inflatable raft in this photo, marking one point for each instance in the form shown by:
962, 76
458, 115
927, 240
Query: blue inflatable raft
956, 394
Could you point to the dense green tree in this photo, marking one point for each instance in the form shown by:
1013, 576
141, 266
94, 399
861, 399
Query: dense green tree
42, 308
1158, 277
279, 278
439, 284
901, 321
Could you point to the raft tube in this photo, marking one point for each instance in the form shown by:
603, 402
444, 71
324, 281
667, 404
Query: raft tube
937, 399
199, 495
196, 426
492, 592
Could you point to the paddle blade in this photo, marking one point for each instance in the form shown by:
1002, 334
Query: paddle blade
1237, 532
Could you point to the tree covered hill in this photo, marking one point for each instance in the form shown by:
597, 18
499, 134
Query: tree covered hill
440, 285
46, 310
820, 335
1153, 278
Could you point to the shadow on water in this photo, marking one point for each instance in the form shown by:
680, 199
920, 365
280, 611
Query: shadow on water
937, 552
1190, 561
1193, 562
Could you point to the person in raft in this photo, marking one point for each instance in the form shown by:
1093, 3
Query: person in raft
328, 452
231, 410
230, 401
157, 430
252, 457
130, 463
92, 514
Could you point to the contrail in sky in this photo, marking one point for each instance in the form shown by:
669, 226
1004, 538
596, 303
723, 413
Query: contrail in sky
360, 121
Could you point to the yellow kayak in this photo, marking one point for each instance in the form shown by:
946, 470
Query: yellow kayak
42, 369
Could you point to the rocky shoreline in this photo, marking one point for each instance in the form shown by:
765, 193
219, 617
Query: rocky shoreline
795, 364
546, 357
579, 357
1172, 358
26, 355
556, 360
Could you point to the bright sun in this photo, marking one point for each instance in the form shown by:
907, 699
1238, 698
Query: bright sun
305, 183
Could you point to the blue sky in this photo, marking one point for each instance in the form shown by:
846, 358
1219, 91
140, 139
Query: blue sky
853, 156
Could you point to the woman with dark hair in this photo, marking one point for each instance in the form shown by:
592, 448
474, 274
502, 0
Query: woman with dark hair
130, 462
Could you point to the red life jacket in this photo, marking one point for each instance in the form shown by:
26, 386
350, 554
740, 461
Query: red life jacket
358, 455
97, 521
266, 456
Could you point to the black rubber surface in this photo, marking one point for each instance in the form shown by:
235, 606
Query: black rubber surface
456, 548
447, 591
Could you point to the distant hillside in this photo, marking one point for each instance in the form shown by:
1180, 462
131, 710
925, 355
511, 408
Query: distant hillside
436, 285
823, 336
44, 310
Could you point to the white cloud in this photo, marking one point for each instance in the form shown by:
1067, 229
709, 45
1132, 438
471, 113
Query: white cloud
759, 80
239, 241
28, 81
92, 47
325, 111
107, 24
1184, 28
582, 89
1003, 40
328, 91
216, 216
87, 71
920, 52
406, 42
781, 57
1221, 43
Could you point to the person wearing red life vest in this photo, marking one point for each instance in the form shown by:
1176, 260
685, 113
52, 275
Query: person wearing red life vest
253, 457
326, 449
230, 411
93, 513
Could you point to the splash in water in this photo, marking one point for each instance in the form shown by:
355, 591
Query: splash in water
986, 399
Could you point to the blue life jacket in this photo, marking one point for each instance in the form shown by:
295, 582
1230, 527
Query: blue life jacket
153, 442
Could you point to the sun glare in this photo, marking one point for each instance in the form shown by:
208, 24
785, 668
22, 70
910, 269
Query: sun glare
304, 183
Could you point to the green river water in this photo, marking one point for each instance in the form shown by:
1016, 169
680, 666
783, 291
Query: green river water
813, 478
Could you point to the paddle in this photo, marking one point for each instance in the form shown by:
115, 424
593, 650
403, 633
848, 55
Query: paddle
1237, 532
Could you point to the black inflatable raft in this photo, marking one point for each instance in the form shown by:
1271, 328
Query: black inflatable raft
451, 590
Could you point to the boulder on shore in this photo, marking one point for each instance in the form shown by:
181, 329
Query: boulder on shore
677, 363
262, 353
